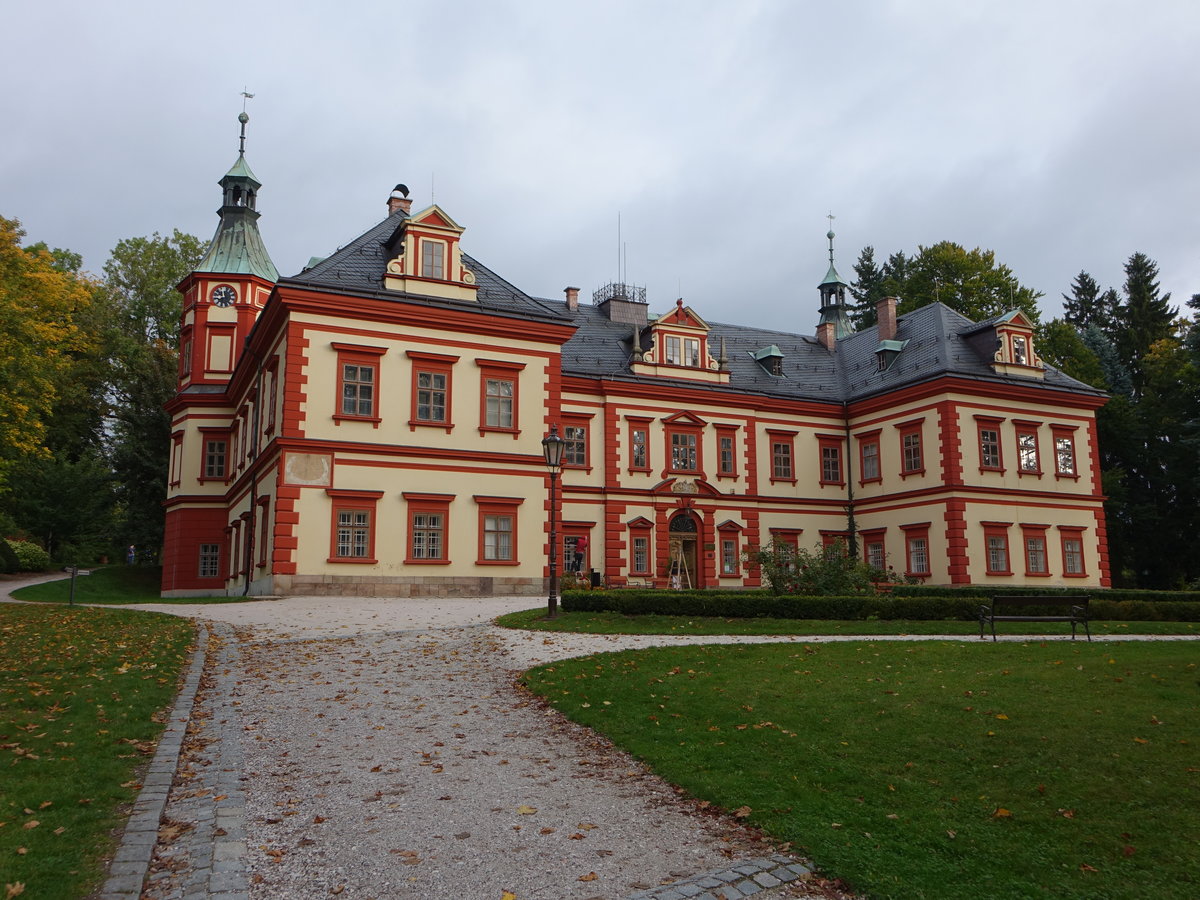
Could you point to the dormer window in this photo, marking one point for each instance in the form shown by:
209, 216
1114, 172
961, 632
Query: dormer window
682, 351
433, 260
1021, 351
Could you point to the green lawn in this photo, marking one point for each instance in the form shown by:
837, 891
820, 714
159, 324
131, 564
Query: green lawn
618, 623
111, 585
928, 769
82, 696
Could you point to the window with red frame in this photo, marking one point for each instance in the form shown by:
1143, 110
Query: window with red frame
353, 531
272, 394
264, 530
575, 446
990, 456
1064, 451
432, 383
726, 452
831, 460
639, 445
433, 259
499, 382
358, 382
428, 528
176, 467
868, 457
1028, 458
498, 530
874, 548
995, 543
640, 557
783, 455
912, 457
685, 450
788, 537
1072, 552
210, 561
731, 559
1034, 539
916, 549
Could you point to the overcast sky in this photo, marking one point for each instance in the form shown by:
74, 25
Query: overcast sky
1062, 135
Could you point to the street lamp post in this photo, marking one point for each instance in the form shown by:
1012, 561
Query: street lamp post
552, 449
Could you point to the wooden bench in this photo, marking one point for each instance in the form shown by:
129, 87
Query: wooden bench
1075, 611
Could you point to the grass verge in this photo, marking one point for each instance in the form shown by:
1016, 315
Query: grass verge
113, 585
929, 769
618, 623
82, 697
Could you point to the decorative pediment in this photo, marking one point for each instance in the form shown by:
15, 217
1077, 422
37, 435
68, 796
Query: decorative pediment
682, 316
426, 257
685, 419
680, 349
685, 486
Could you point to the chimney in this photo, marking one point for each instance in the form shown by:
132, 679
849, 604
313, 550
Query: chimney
885, 313
827, 335
399, 199
572, 298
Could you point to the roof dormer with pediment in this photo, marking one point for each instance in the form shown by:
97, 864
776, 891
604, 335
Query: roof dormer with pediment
1006, 341
679, 348
425, 257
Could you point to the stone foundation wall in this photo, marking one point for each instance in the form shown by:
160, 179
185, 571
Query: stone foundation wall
404, 586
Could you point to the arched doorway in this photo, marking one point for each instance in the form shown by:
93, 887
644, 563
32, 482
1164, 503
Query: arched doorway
683, 544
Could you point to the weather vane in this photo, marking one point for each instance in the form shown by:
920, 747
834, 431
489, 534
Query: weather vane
245, 96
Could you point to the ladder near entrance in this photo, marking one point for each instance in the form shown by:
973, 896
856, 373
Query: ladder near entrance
681, 577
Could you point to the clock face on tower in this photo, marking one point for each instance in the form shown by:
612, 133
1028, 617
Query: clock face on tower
223, 295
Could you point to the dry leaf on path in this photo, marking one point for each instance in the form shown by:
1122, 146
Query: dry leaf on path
526, 810
590, 876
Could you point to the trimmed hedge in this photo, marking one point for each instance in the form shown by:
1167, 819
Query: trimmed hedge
984, 591
755, 605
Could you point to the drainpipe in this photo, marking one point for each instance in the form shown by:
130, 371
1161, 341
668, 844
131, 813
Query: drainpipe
851, 523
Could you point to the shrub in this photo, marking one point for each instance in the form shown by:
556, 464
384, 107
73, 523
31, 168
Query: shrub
820, 571
30, 557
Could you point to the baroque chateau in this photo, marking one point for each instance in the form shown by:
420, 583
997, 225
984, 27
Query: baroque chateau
373, 426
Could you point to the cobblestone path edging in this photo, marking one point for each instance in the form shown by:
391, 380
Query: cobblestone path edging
132, 860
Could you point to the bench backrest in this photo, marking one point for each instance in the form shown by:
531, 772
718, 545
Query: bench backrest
1059, 600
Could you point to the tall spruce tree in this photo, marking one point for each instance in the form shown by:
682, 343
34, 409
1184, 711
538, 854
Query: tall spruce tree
867, 289
1087, 305
1144, 318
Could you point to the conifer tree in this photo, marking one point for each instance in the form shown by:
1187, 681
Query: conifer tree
1144, 318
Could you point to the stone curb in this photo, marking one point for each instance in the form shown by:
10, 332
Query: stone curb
745, 879
131, 863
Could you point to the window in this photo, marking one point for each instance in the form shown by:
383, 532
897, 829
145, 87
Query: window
783, 455
787, 537
1072, 551
575, 448
431, 389
358, 382
497, 530
176, 466
498, 392
683, 452
831, 459
730, 538
639, 451
995, 536
990, 456
1020, 351
691, 352
264, 530
353, 539
641, 555
428, 521
874, 550
433, 259
868, 454
210, 561
1034, 538
272, 390
672, 347
1028, 460
1064, 451
916, 549
726, 460
911, 456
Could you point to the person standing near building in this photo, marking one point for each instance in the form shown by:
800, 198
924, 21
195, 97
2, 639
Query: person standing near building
580, 552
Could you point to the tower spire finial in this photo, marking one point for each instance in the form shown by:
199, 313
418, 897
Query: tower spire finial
243, 118
830, 235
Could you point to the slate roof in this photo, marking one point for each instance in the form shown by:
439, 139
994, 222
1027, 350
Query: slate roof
935, 345
934, 336
359, 266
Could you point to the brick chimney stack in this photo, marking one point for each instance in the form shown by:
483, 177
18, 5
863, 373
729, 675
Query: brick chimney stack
885, 313
572, 298
827, 335
399, 199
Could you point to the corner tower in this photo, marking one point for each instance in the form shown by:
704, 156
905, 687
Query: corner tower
833, 297
230, 285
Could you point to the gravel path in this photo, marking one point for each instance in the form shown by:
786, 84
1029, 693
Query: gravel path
401, 761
